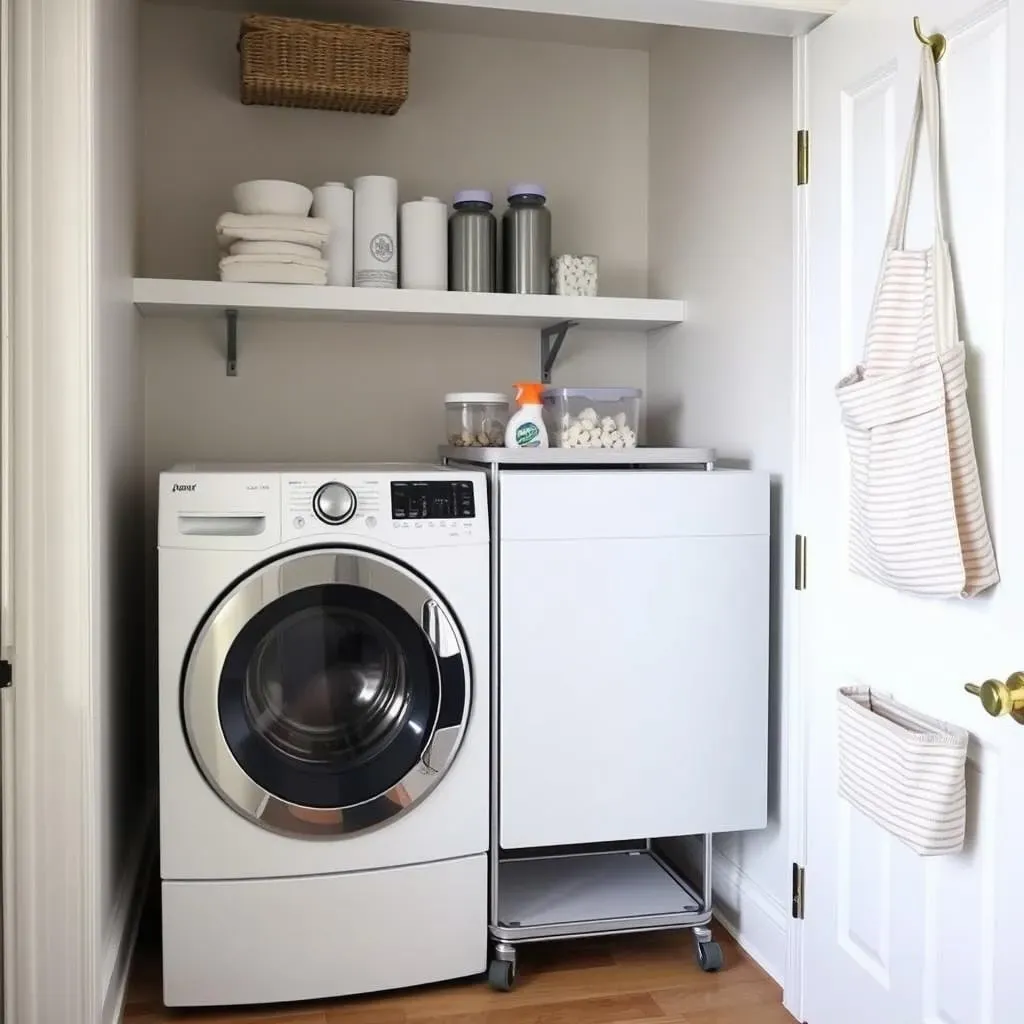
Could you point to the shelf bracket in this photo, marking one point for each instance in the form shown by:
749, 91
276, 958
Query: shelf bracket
551, 339
231, 326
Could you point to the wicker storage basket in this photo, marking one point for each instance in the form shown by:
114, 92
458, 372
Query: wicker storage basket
289, 62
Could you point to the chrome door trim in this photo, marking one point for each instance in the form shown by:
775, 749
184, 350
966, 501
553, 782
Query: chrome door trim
202, 675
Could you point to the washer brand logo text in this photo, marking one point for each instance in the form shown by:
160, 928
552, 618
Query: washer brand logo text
182, 487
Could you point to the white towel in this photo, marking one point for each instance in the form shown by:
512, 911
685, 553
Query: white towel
274, 249
232, 227
271, 270
273, 273
312, 262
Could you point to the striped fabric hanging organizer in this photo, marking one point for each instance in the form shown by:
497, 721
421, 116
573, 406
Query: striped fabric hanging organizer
903, 770
917, 519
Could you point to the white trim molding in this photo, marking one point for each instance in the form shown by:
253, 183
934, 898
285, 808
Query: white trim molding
751, 915
55, 843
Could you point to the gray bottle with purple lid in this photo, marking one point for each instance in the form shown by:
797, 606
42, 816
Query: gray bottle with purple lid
472, 243
526, 241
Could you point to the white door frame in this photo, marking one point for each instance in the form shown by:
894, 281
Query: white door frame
795, 749
7, 887
51, 816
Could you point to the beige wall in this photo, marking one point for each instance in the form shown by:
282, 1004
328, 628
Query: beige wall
330, 392
482, 112
721, 189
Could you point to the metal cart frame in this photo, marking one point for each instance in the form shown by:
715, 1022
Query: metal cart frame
506, 936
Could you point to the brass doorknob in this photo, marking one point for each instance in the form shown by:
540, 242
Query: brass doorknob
1000, 699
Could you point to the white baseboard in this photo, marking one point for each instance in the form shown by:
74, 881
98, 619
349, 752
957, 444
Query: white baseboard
753, 916
117, 957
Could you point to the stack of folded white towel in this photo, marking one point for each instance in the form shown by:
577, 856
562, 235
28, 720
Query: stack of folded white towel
273, 248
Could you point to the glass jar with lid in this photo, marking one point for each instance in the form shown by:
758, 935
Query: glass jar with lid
476, 419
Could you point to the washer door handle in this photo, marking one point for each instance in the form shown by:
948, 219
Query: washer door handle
432, 623
439, 630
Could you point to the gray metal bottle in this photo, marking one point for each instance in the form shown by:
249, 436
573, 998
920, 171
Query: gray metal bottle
473, 243
526, 241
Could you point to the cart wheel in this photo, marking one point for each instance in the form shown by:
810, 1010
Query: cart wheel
501, 975
709, 956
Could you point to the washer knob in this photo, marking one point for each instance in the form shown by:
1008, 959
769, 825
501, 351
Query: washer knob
334, 503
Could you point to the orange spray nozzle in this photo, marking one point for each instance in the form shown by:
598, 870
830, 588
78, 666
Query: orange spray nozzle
529, 392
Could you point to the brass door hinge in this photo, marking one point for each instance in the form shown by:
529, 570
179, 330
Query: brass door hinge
798, 892
803, 156
800, 567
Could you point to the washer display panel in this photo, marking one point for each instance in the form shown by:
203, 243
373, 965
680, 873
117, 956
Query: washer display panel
326, 693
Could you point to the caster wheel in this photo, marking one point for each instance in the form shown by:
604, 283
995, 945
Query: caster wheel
501, 975
709, 956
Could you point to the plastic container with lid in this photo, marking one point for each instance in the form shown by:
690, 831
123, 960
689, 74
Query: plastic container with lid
476, 419
593, 417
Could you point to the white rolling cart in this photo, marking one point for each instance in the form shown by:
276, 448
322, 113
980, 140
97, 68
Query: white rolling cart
629, 687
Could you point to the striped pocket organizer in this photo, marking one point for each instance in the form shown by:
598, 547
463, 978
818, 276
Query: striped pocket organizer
903, 770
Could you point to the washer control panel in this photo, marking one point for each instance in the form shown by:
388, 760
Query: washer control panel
432, 499
238, 506
406, 509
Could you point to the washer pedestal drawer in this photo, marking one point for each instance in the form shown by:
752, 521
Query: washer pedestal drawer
279, 939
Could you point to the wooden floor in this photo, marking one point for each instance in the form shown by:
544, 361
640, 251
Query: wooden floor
619, 980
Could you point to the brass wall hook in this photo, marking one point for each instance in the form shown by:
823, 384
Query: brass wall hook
937, 42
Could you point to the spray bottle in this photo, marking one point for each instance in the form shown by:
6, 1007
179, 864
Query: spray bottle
526, 426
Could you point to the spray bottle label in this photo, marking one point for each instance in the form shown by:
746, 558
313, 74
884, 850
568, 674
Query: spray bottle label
527, 435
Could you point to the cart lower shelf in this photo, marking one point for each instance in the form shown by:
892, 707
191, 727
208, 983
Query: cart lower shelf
568, 895
589, 893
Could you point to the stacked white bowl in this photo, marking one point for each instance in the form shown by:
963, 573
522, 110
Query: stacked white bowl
270, 237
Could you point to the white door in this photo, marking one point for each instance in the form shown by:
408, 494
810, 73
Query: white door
892, 938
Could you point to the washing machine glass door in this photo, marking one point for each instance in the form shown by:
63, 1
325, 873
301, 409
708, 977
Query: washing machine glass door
327, 693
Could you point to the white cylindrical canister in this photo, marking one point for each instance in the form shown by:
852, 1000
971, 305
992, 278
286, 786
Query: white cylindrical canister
424, 238
375, 253
333, 201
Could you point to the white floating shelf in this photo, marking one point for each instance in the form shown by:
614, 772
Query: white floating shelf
157, 297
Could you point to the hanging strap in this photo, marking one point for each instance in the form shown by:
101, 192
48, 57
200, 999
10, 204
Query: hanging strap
947, 334
928, 102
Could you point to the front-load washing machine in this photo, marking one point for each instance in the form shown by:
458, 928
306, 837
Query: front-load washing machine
324, 733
